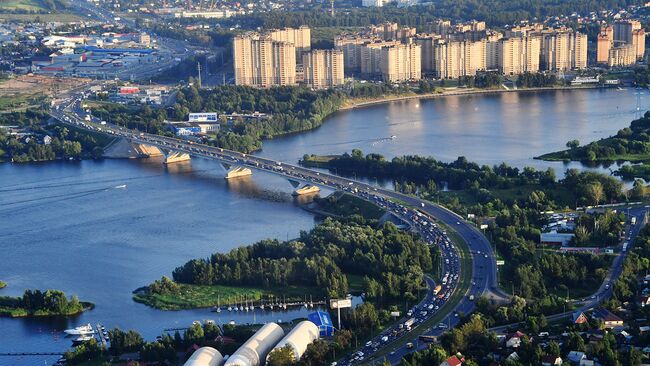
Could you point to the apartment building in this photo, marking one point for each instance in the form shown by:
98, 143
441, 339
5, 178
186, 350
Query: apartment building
371, 57
519, 54
299, 37
453, 59
617, 41
621, 55
323, 68
260, 61
352, 45
563, 50
401, 62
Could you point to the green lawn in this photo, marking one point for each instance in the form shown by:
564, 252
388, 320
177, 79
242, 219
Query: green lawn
23, 5
198, 296
343, 204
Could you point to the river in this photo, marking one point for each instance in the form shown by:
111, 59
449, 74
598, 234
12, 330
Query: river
66, 225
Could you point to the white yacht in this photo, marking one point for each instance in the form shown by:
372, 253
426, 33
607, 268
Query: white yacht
82, 330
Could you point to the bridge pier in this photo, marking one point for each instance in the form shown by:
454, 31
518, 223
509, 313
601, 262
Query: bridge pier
237, 172
176, 157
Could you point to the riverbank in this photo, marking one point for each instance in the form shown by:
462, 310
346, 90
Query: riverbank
200, 296
365, 102
19, 312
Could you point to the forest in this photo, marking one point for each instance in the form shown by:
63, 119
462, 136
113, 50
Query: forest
392, 262
39, 303
494, 12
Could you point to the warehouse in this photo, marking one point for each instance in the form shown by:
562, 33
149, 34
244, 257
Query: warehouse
205, 356
254, 351
301, 336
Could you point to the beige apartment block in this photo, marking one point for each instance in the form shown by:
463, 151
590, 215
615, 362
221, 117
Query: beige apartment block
260, 61
401, 62
323, 68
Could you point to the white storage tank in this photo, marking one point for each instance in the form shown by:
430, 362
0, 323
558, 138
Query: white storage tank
254, 351
205, 356
299, 338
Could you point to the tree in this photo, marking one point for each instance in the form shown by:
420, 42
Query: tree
315, 354
573, 144
595, 192
281, 357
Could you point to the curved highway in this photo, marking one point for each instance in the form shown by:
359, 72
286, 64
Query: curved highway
484, 272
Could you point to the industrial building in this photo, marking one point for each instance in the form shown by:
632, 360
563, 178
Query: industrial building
205, 356
298, 339
255, 350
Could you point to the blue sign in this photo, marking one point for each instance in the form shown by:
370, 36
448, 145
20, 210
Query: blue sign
323, 322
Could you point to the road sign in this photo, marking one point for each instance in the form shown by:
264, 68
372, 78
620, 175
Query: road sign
340, 304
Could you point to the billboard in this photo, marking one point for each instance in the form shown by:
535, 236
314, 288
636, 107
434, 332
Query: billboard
341, 304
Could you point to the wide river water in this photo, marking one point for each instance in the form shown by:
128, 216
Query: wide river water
65, 225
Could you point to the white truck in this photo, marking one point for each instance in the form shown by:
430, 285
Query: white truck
633, 220
409, 323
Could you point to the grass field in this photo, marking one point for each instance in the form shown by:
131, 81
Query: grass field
197, 296
44, 17
343, 204
22, 5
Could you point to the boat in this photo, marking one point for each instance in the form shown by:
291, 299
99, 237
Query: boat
82, 330
82, 338
121, 186
393, 137
307, 189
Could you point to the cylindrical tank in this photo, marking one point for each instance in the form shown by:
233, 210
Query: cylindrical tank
299, 338
205, 356
254, 351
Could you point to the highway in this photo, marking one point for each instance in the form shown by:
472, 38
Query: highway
425, 219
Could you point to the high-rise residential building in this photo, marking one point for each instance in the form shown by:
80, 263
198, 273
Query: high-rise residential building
623, 55
323, 68
372, 3
492, 50
623, 30
401, 62
604, 42
371, 56
617, 42
454, 59
638, 42
392, 31
260, 61
563, 50
299, 37
439, 26
352, 46
426, 42
519, 54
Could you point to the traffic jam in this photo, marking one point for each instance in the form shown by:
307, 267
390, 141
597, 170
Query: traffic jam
430, 232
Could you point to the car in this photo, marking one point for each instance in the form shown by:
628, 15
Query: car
457, 222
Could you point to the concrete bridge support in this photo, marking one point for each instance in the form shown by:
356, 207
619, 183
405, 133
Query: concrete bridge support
176, 157
238, 171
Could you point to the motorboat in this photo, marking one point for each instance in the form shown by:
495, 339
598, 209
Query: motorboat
82, 330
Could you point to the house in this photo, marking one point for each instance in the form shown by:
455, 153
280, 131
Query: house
514, 340
579, 317
609, 320
576, 357
513, 356
452, 361
644, 301
551, 361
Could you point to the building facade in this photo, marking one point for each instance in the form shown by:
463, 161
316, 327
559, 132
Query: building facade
401, 62
260, 61
323, 68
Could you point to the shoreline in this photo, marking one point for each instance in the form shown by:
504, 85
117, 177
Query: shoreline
460, 92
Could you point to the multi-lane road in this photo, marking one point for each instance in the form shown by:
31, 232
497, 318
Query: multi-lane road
431, 221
